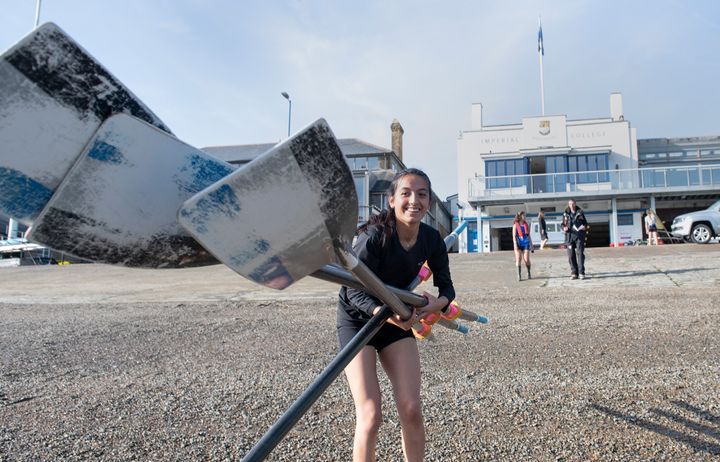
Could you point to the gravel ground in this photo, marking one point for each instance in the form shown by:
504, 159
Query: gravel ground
602, 373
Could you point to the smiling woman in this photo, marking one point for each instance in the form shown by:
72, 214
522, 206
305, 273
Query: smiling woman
393, 244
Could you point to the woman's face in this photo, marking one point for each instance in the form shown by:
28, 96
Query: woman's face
411, 199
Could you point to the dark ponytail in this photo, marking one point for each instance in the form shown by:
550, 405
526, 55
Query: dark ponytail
385, 220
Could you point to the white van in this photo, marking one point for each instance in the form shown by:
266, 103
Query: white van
556, 236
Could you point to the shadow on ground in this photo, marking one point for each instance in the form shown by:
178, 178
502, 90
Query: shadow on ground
689, 426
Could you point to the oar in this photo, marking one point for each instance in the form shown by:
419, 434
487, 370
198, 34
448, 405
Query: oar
285, 215
53, 96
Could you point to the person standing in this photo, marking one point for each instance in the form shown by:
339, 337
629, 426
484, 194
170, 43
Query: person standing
393, 244
651, 227
543, 229
522, 243
575, 226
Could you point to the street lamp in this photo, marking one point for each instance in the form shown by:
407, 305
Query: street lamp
287, 97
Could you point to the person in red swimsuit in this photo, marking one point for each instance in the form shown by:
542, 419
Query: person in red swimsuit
522, 243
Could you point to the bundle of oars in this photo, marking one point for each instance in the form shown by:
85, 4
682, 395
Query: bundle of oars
97, 175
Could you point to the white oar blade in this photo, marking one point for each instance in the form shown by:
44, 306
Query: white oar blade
53, 96
277, 219
118, 204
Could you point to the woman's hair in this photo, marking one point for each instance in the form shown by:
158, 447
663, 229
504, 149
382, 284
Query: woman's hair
385, 220
518, 217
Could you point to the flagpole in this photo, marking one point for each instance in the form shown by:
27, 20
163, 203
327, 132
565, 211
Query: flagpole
541, 53
37, 12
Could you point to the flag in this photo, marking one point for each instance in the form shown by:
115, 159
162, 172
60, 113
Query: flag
541, 48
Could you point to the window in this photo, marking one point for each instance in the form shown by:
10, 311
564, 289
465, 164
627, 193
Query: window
360, 163
378, 200
516, 169
360, 189
625, 220
553, 183
589, 163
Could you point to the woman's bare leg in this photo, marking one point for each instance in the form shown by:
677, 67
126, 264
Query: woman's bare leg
526, 258
401, 362
518, 258
361, 375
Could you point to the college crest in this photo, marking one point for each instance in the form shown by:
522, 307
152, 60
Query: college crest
544, 127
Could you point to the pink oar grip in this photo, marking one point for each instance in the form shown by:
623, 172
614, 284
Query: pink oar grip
421, 330
453, 311
425, 272
431, 318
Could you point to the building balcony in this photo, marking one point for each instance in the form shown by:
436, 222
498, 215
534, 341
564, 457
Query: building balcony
697, 178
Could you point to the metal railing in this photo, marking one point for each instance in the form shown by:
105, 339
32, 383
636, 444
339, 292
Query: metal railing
365, 211
694, 176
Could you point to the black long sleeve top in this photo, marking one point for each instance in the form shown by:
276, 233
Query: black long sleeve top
575, 221
395, 266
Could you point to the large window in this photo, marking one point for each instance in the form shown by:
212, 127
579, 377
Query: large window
555, 164
517, 168
362, 195
625, 219
589, 163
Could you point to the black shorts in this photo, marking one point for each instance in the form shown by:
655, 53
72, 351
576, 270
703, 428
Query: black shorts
387, 334
652, 228
543, 235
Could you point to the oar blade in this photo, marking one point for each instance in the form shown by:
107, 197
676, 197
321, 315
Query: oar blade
118, 204
277, 219
53, 96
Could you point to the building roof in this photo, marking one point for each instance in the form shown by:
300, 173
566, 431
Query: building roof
698, 140
243, 153
239, 153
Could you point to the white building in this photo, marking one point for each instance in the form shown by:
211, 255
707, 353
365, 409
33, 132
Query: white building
542, 162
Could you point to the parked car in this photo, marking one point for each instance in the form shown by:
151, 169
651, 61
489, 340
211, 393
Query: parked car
700, 226
556, 235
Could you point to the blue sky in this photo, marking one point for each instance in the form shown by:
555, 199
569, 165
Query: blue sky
214, 70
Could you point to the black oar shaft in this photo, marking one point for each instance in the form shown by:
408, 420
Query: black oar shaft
288, 420
332, 273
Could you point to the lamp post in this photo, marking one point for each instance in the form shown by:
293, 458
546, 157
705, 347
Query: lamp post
287, 97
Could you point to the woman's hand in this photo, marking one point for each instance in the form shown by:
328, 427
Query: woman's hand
434, 304
396, 320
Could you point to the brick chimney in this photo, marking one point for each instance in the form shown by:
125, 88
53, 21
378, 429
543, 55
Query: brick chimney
397, 135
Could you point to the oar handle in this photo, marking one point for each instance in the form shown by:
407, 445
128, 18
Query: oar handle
453, 311
453, 325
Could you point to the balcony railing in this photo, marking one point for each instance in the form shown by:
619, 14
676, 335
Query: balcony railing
365, 212
695, 176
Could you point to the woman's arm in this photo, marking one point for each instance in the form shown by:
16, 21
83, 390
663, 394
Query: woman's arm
439, 264
368, 249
